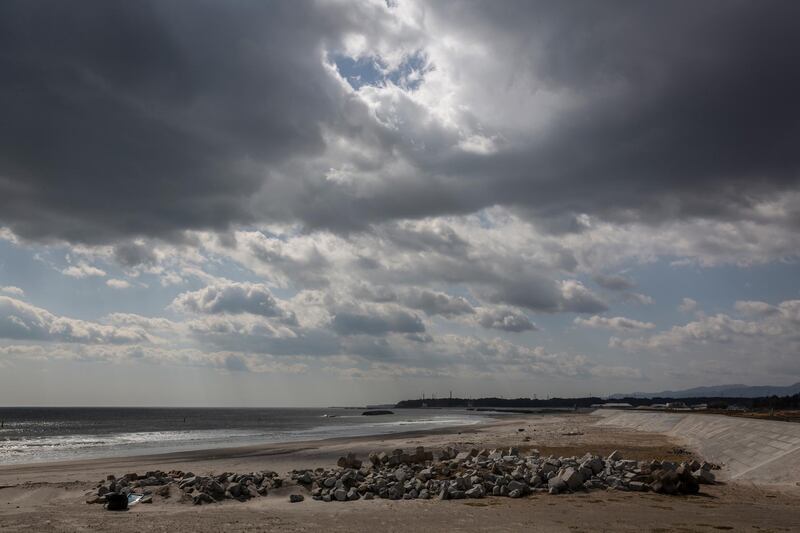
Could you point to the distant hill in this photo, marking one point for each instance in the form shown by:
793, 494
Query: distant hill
723, 391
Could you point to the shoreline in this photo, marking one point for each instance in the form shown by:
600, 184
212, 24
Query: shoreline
250, 451
140, 441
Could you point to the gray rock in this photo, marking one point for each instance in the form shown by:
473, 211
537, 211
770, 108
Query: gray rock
557, 484
235, 490
201, 498
638, 486
476, 492
340, 495
296, 498
425, 474
516, 485
572, 478
705, 477
549, 467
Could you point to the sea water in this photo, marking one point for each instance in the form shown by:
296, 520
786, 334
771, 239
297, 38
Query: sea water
36, 434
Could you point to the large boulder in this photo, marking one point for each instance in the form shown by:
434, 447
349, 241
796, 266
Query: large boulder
687, 484
572, 477
476, 491
557, 485
705, 477
516, 485
462, 456
665, 482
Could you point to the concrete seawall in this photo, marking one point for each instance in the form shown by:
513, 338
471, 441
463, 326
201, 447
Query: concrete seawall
760, 451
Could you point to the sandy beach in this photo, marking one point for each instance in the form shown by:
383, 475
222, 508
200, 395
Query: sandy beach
51, 496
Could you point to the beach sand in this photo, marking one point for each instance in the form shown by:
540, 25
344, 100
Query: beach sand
50, 496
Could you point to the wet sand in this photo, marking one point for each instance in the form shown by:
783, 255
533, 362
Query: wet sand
50, 496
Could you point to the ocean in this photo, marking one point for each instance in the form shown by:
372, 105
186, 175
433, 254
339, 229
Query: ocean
36, 434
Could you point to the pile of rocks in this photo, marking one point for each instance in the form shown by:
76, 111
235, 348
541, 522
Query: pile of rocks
475, 474
454, 475
201, 489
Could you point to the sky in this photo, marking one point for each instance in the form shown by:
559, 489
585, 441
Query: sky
299, 203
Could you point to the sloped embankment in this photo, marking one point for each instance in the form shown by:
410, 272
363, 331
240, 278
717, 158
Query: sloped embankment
761, 451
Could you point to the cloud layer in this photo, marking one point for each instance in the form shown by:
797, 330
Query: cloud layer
385, 190
125, 123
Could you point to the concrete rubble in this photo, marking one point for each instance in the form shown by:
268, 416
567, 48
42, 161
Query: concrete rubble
453, 474
187, 485
476, 474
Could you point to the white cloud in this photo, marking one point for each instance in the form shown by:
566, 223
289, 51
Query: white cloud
618, 323
687, 305
118, 284
13, 291
765, 345
228, 297
505, 319
755, 308
579, 299
436, 303
19, 320
83, 270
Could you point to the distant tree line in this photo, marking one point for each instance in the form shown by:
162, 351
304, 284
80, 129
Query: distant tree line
713, 402
777, 402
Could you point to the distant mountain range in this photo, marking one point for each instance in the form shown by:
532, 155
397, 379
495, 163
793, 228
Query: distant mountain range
725, 391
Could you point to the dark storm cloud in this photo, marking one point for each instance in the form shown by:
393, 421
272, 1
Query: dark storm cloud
680, 110
136, 118
139, 118
545, 295
436, 303
132, 254
346, 323
690, 108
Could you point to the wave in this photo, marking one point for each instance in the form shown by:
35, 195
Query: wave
22, 449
